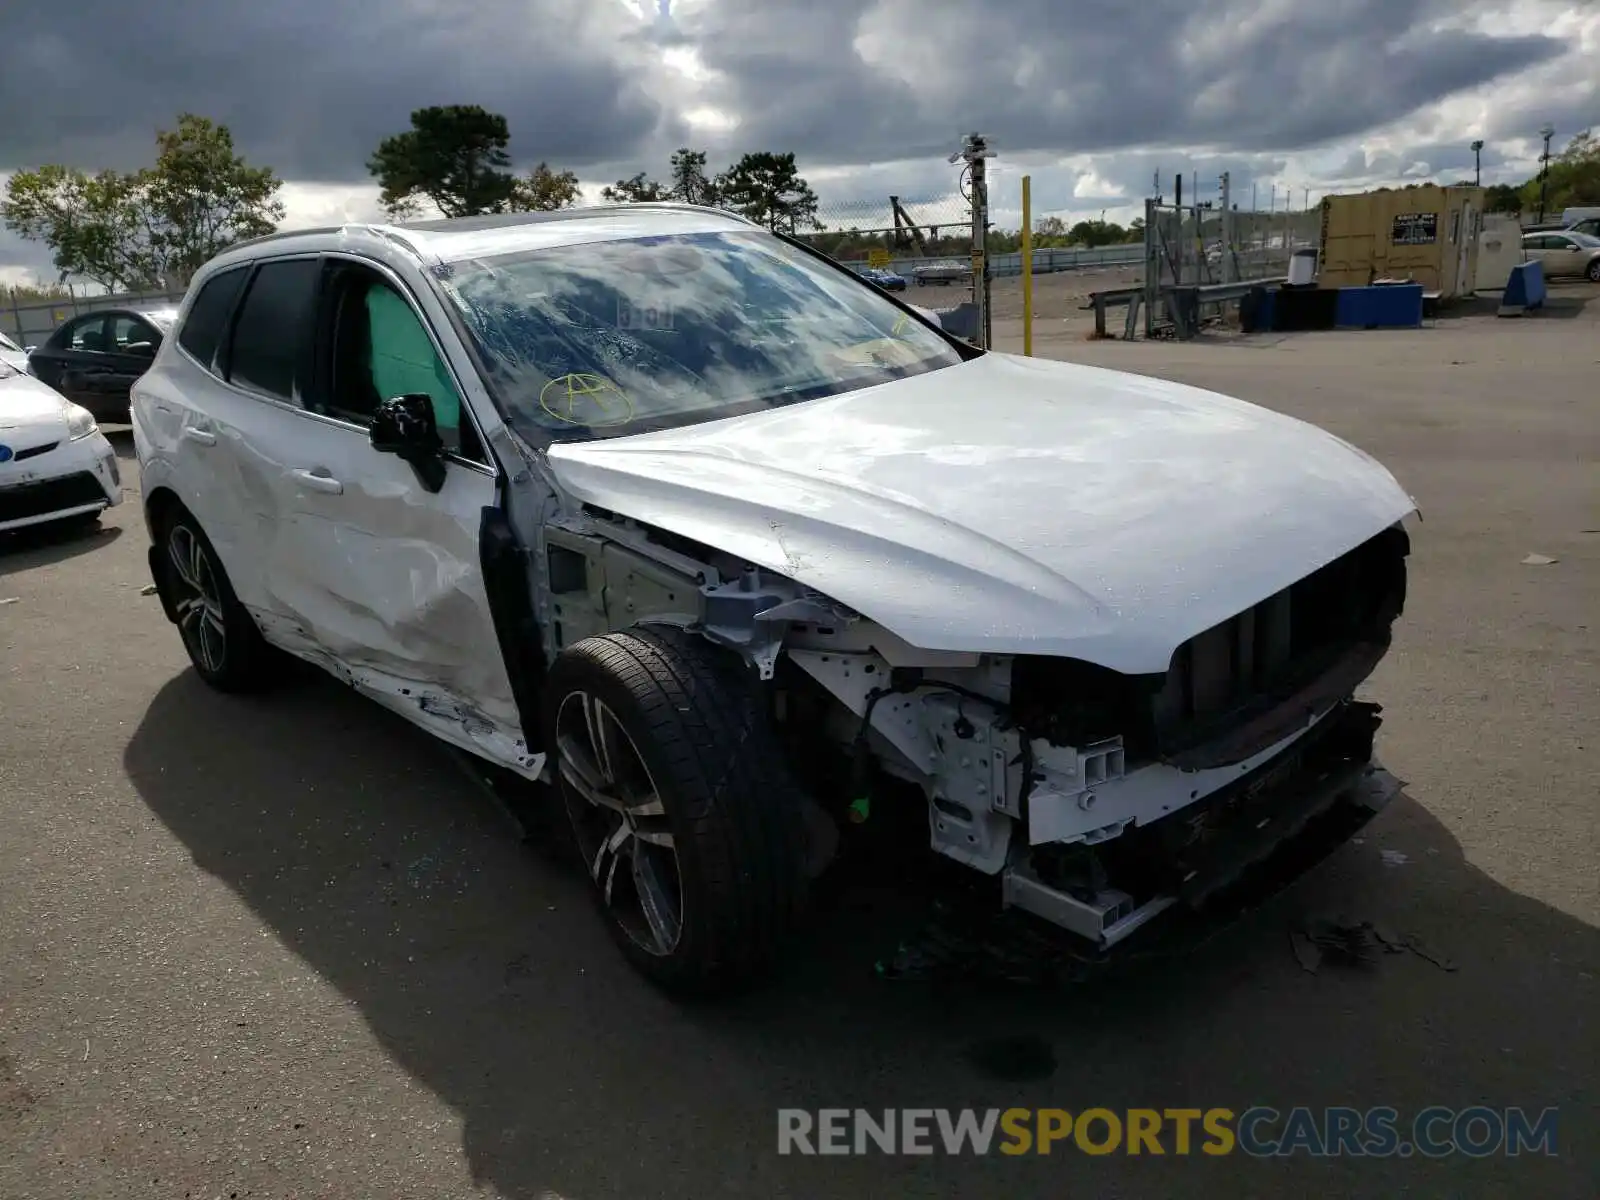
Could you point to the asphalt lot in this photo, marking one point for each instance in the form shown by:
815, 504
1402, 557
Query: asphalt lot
279, 947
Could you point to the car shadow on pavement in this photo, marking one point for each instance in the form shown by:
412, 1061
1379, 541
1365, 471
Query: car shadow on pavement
483, 971
56, 542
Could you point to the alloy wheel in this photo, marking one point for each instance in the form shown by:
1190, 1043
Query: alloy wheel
620, 823
197, 599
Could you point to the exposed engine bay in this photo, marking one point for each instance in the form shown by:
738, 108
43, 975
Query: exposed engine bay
1095, 799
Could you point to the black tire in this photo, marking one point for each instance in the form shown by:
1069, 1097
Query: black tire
1593, 273
223, 643
716, 787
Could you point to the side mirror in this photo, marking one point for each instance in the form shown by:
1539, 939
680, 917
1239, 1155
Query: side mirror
404, 426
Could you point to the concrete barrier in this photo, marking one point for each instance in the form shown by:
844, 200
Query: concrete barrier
1524, 290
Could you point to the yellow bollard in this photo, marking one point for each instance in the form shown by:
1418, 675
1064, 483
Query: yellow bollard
1027, 266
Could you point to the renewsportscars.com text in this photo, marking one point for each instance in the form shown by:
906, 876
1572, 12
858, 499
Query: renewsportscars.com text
1260, 1131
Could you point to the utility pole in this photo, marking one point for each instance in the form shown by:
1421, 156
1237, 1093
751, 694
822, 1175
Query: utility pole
1152, 261
1229, 266
1477, 163
974, 150
1199, 234
1546, 133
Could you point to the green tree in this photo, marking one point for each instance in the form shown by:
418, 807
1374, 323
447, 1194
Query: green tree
1097, 233
637, 190
1574, 178
151, 227
768, 188
1501, 198
454, 155
544, 190
690, 183
203, 196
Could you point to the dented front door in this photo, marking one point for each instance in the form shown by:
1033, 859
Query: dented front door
371, 573
382, 579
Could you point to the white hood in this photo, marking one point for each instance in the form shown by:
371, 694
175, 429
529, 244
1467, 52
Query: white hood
1011, 505
31, 413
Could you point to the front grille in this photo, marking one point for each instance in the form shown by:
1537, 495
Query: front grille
33, 452
1239, 686
51, 495
1334, 621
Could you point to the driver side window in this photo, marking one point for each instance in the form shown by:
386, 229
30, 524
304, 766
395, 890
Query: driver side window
380, 349
127, 331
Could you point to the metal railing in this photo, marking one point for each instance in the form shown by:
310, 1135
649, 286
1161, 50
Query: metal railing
1205, 294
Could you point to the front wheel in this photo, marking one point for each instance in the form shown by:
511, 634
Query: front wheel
223, 643
681, 805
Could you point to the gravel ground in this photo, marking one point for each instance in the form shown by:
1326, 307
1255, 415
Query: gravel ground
280, 948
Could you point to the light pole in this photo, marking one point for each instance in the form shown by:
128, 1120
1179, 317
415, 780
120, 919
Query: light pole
1546, 133
1477, 163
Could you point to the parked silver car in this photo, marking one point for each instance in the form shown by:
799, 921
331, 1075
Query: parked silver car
944, 273
1564, 254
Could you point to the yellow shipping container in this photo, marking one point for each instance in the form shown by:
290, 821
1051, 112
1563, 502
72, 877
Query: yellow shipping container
1428, 235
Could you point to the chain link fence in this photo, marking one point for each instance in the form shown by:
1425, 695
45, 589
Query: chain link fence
1206, 246
905, 235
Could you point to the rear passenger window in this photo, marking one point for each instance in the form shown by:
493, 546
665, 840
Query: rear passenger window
208, 315
266, 350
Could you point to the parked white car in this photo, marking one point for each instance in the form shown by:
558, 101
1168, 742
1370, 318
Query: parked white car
55, 464
735, 550
12, 355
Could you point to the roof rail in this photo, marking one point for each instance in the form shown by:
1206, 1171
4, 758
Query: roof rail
280, 234
395, 231
505, 220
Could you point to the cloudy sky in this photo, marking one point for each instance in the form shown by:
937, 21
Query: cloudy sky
1090, 97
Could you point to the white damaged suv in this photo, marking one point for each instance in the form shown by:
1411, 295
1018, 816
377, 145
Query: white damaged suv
722, 542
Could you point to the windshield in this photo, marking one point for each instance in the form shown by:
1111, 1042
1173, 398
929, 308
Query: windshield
616, 337
1584, 239
7, 344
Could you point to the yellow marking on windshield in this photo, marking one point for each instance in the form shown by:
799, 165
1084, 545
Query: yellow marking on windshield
577, 399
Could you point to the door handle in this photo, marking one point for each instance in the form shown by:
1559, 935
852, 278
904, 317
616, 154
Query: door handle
204, 436
319, 483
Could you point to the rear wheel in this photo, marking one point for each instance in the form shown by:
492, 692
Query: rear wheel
681, 806
1593, 273
224, 645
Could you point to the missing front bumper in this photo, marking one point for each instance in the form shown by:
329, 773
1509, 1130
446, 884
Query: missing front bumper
1267, 832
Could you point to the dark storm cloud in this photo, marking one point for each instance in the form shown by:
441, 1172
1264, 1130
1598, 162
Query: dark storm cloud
1569, 110
1276, 75
310, 86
